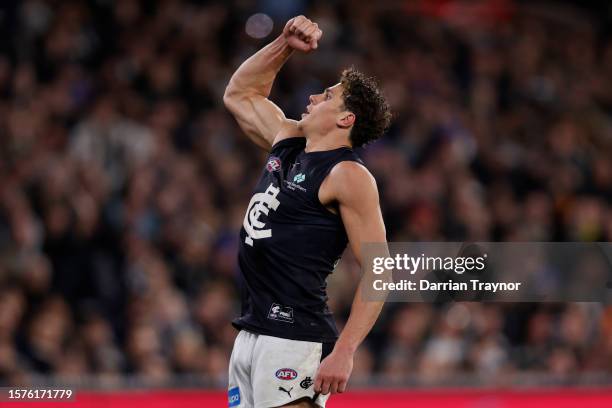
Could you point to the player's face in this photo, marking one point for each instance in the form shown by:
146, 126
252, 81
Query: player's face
324, 110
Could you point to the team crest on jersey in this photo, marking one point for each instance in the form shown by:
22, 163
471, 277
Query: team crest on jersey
261, 203
274, 164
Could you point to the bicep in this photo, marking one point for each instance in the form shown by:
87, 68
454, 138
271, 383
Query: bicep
259, 118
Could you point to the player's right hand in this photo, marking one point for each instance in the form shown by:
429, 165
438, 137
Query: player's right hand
302, 34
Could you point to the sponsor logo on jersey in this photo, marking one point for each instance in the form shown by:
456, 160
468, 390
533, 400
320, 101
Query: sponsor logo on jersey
261, 203
306, 382
299, 178
286, 374
287, 391
280, 312
274, 164
295, 186
233, 396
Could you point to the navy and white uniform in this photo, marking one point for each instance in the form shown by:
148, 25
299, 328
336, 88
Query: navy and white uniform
289, 244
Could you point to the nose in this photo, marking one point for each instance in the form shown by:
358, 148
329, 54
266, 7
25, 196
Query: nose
311, 98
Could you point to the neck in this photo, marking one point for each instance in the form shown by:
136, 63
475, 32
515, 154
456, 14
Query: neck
322, 143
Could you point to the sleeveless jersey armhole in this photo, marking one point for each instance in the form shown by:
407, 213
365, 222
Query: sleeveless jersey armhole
352, 158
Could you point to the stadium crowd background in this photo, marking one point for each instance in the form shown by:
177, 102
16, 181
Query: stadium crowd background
124, 181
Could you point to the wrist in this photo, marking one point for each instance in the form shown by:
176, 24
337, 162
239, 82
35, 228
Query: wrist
344, 348
282, 41
281, 44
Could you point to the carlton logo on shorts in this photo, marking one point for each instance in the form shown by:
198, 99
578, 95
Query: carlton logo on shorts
306, 382
233, 397
274, 164
286, 374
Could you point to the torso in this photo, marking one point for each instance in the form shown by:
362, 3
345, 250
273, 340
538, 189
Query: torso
292, 236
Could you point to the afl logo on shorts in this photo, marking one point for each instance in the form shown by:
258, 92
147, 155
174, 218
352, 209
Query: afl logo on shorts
286, 374
274, 164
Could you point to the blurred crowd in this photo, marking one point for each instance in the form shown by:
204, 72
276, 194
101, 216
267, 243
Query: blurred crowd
124, 181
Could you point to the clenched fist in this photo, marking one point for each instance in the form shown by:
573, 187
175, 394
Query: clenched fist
302, 34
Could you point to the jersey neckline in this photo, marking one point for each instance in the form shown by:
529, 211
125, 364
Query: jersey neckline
325, 151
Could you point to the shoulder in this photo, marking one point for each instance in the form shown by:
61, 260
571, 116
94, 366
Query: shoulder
350, 171
351, 181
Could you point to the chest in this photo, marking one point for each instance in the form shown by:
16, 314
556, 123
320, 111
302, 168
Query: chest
298, 183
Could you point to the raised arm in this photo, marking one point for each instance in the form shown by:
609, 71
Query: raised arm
354, 189
246, 95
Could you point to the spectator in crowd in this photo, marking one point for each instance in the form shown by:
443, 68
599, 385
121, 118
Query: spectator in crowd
123, 181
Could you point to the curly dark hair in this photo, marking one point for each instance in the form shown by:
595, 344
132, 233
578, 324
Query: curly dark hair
362, 97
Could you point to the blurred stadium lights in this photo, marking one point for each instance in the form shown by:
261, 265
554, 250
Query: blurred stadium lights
259, 26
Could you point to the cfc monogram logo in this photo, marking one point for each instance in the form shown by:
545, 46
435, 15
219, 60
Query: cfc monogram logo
260, 203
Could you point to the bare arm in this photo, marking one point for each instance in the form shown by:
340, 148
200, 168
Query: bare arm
246, 95
354, 188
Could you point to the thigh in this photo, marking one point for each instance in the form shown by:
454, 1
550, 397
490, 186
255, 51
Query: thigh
239, 388
283, 372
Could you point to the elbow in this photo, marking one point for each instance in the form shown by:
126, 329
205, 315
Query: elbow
233, 98
229, 97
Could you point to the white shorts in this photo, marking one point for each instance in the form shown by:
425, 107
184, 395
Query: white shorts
267, 371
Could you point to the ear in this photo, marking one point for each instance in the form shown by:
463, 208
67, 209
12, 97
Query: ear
345, 119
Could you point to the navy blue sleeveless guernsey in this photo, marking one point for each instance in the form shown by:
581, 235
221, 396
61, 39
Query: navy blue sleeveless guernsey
289, 244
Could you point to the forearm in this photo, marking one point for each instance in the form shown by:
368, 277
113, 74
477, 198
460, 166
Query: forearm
361, 319
256, 75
